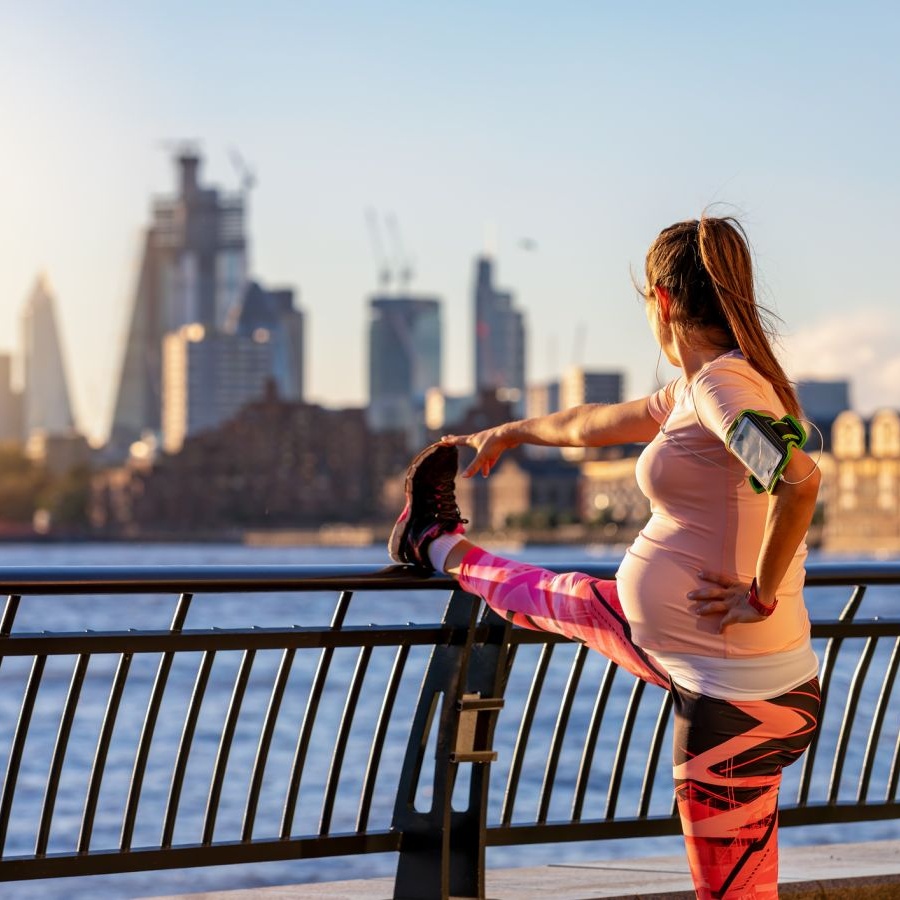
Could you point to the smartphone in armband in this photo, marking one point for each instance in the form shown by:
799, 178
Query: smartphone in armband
764, 444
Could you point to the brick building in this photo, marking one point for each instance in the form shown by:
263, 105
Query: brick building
276, 464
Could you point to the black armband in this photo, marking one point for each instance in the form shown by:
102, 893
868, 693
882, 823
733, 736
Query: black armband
764, 444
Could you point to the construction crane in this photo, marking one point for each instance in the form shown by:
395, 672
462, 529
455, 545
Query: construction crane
394, 265
385, 274
402, 262
247, 175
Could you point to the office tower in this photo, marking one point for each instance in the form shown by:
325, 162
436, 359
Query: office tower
45, 401
208, 376
823, 399
499, 338
10, 403
404, 362
579, 385
542, 400
193, 269
822, 402
272, 313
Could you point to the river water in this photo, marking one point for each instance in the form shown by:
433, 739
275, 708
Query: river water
113, 613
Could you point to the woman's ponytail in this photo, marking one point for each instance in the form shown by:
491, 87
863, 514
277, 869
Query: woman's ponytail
725, 254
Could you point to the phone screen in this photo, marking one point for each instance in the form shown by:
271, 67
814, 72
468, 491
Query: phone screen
754, 448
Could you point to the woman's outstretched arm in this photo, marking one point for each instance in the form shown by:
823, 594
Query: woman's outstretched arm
590, 425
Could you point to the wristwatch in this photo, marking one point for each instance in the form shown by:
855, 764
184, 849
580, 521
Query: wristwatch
756, 603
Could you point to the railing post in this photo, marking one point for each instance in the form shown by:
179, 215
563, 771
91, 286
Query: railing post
442, 849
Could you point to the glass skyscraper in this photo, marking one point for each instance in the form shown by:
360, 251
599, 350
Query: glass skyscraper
46, 406
404, 362
271, 314
208, 376
499, 339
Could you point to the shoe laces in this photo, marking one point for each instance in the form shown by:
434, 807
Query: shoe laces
445, 500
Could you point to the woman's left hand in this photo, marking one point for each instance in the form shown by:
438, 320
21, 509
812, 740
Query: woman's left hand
729, 599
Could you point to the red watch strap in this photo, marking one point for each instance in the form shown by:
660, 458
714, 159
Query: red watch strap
756, 603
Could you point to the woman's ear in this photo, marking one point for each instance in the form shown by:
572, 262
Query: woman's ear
664, 299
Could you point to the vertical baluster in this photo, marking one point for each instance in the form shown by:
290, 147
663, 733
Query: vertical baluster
618, 769
856, 686
877, 723
153, 706
265, 742
828, 664
659, 732
518, 756
384, 718
59, 752
184, 746
590, 741
559, 732
893, 777
18, 745
9, 614
343, 735
309, 718
221, 764
100, 754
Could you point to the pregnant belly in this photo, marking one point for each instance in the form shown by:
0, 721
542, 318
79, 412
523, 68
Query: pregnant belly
653, 583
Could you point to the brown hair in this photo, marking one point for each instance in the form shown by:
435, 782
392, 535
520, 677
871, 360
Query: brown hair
706, 266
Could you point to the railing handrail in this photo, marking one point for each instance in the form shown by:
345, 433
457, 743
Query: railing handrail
231, 579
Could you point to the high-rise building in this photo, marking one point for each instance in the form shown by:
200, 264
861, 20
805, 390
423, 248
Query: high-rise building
272, 314
45, 401
193, 269
578, 386
404, 362
10, 403
499, 338
541, 400
208, 376
823, 399
822, 402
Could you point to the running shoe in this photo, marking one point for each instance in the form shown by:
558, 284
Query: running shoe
430, 509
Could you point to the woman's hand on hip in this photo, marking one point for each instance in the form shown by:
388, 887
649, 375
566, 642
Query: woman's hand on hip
728, 598
488, 445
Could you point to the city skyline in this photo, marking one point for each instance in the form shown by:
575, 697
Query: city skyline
571, 136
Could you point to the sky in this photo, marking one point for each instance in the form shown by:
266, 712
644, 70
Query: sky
561, 136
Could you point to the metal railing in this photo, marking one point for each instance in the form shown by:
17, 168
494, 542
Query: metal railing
121, 753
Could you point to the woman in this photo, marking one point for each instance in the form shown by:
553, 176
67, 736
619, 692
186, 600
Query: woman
708, 600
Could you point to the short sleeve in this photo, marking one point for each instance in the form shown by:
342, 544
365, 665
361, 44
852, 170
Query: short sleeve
660, 403
728, 387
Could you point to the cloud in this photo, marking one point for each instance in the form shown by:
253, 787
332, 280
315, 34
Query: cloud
862, 347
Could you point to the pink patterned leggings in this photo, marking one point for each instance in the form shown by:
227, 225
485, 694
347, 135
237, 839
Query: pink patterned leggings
727, 755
